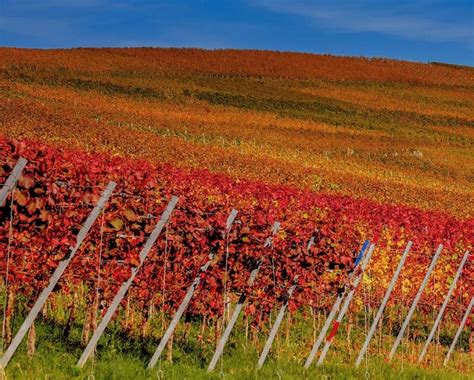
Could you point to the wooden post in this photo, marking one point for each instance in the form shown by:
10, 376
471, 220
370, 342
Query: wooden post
56, 276
443, 307
345, 306
333, 311
383, 304
458, 333
126, 285
277, 323
187, 298
240, 304
415, 302
11, 180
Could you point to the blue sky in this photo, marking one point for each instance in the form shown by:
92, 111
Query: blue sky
417, 30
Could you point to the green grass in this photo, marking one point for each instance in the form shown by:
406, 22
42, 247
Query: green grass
122, 357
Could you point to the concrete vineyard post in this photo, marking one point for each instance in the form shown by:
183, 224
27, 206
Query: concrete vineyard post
184, 304
277, 323
443, 307
345, 306
458, 332
56, 276
383, 304
333, 311
415, 302
11, 180
126, 285
240, 304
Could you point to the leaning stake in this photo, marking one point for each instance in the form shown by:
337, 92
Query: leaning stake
126, 285
461, 326
334, 310
187, 298
277, 323
345, 306
56, 276
415, 302
383, 304
443, 307
240, 304
11, 180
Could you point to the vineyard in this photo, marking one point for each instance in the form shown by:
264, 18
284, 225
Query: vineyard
276, 189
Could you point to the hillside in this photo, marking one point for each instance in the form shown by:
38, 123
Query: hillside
323, 162
390, 131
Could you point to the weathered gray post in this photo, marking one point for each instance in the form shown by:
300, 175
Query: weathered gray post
184, 304
415, 302
280, 315
240, 304
443, 307
345, 306
458, 333
126, 285
383, 304
277, 323
56, 276
333, 311
11, 180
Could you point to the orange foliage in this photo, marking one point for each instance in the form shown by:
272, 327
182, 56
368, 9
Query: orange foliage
172, 105
246, 63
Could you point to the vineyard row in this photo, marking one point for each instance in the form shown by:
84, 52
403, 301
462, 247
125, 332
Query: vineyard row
345, 293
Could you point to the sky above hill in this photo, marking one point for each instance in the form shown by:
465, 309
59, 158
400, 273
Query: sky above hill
417, 30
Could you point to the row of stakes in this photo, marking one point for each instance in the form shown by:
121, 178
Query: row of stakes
339, 308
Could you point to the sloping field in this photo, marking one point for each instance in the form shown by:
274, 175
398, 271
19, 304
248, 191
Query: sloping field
336, 149
394, 132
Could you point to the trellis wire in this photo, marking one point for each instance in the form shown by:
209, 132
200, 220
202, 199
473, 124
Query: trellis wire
458, 332
415, 302
383, 304
333, 311
443, 307
11, 180
240, 303
184, 304
126, 285
103, 280
345, 306
56, 276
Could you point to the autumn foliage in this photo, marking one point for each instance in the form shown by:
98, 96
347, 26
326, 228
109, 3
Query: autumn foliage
58, 188
388, 131
337, 148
